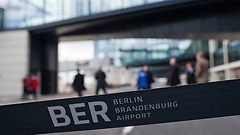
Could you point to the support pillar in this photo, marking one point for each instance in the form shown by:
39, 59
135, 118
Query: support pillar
44, 60
212, 48
225, 59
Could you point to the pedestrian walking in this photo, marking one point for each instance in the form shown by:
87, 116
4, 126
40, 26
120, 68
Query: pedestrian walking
26, 85
142, 82
201, 69
173, 73
100, 77
149, 74
190, 73
78, 83
34, 85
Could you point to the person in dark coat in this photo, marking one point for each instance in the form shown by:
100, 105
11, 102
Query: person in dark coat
149, 74
142, 82
173, 73
78, 83
190, 73
100, 76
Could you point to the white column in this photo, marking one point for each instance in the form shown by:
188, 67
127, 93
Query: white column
225, 51
225, 58
212, 48
212, 44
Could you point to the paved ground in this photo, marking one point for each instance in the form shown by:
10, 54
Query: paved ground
219, 126
89, 92
216, 126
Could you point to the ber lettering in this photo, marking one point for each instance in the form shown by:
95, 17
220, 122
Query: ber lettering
60, 118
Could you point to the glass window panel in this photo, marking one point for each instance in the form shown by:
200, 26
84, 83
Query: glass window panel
116, 4
137, 2
82, 7
106, 6
127, 3
22, 13
54, 10
34, 12
218, 55
7, 13
132, 3
1, 18
153, 1
69, 9
4, 4
14, 15
96, 6
234, 51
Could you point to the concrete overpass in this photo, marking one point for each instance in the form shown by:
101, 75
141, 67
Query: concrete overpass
195, 19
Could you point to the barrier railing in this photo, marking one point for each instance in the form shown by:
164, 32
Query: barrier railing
169, 104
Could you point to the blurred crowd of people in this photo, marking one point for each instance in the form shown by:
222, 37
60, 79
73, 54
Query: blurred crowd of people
199, 74
144, 80
100, 76
145, 77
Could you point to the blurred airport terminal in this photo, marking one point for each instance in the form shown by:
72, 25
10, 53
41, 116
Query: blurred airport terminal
55, 37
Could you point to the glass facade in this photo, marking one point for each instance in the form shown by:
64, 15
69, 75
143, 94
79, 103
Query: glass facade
1, 18
218, 55
26, 13
125, 52
234, 51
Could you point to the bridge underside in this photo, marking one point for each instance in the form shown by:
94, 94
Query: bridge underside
219, 21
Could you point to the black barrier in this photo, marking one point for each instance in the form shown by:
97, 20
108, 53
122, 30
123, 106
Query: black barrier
161, 105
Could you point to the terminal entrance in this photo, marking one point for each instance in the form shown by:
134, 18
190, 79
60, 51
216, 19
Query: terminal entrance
203, 27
